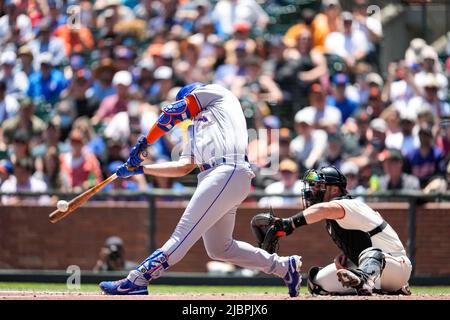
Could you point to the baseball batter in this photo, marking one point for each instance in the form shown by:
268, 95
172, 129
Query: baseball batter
373, 259
217, 144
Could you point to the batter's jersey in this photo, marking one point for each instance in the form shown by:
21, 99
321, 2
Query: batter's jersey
359, 216
219, 131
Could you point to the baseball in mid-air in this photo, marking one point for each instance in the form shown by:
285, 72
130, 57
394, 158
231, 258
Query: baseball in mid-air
62, 205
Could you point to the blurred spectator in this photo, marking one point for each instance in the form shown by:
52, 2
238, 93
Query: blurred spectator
164, 81
227, 73
430, 99
371, 26
351, 171
391, 116
133, 183
323, 114
76, 40
56, 15
326, 22
151, 12
241, 36
190, 67
15, 26
51, 171
289, 184
23, 180
46, 42
113, 104
334, 153
227, 13
94, 143
51, 139
25, 119
205, 40
375, 104
376, 137
338, 96
16, 81
405, 140
291, 35
8, 104
77, 91
443, 138
429, 62
102, 87
395, 178
413, 54
400, 86
309, 145
351, 44
46, 84
255, 86
26, 60
112, 256
20, 146
426, 160
79, 167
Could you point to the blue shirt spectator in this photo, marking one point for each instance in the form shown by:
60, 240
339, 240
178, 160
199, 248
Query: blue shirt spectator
339, 99
48, 83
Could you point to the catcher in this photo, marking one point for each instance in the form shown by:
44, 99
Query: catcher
373, 258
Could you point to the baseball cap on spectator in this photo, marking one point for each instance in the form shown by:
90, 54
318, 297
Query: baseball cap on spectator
327, 3
146, 63
379, 125
77, 62
426, 129
24, 50
374, 79
123, 78
114, 241
347, 16
408, 115
390, 154
163, 73
45, 58
242, 26
272, 122
8, 57
109, 13
305, 116
123, 53
25, 163
288, 165
428, 53
417, 44
430, 81
339, 79
349, 168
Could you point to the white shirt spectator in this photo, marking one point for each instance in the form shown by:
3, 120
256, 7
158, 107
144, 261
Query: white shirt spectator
401, 94
279, 187
34, 185
419, 103
400, 142
227, 13
329, 115
420, 78
346, 45
8, 108
309, 151
23, 23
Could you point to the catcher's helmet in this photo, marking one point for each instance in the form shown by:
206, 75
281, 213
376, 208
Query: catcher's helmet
188, 89
325, 176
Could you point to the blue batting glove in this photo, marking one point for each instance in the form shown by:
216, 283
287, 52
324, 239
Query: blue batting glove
125, 171
138, 152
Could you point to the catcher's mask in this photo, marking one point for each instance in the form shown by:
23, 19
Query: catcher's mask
316, 182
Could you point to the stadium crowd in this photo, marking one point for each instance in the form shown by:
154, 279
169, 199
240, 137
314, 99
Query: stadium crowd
81, 80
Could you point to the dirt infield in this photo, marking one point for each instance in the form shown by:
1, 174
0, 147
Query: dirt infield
35, 295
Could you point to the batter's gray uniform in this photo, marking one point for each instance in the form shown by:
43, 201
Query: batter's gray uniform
218, 144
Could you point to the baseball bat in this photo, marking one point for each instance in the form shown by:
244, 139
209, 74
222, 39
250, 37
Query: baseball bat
78, 201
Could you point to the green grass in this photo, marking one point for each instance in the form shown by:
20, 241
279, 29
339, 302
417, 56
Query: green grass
15, 286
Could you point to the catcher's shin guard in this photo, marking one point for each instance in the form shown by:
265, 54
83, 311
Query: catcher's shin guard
371, 265
154, 266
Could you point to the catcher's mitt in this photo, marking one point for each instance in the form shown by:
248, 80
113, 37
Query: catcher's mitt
268, 229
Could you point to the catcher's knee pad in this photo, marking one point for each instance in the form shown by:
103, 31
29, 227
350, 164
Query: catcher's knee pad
372, 255
313, 287
154, 266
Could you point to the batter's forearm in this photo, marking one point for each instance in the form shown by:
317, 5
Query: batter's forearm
170, 169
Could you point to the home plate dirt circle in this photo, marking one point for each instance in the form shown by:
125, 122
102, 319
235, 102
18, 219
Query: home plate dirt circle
41, 295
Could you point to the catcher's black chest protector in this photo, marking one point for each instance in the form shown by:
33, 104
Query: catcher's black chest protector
351, 242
